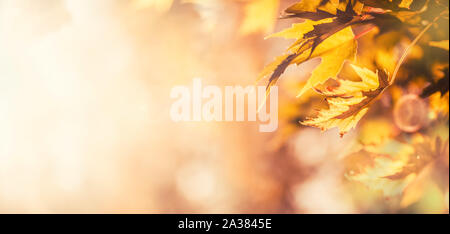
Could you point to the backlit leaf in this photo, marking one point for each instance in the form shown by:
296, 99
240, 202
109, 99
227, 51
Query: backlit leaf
349, 102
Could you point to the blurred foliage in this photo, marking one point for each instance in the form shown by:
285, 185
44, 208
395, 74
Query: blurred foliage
379, 67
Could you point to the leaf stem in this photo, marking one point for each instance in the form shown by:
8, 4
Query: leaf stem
411, 45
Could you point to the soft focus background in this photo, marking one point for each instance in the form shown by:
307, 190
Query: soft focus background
85, 126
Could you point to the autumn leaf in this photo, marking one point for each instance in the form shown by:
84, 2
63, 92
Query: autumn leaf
349, 102
333, 51
426, 152
327, 35
313, 9
327, 19
321, 9
372, 166
298, 30
309, 6
389, 4
396, 168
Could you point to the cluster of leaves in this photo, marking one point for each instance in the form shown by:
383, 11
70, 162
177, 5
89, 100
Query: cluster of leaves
370, 50
328, 33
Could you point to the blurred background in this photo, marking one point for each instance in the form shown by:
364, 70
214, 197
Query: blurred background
85, 125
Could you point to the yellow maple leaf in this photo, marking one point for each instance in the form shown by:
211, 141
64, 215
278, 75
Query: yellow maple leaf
373, 165
298, 30
334, 51
306, 7
397, 168
349, 102
326, 33
313, 6
389, 4
260, 16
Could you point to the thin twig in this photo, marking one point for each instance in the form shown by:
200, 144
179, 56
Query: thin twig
413, 43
